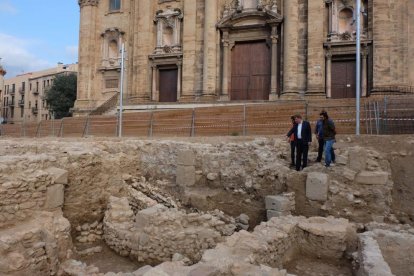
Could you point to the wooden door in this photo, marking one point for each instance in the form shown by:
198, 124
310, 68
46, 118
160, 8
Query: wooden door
168, 85
250, 71
343, 79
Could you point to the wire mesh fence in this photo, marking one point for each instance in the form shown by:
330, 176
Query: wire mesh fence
387, 115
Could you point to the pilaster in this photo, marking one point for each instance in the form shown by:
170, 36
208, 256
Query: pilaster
86, 93
189, 50
210, 49
315, 55
291, 49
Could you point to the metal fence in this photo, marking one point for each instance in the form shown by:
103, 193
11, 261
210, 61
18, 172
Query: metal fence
378, 116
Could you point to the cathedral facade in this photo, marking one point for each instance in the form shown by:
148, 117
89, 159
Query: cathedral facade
241, 50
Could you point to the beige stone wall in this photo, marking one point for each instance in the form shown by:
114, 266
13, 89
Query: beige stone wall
391, 51
410, 62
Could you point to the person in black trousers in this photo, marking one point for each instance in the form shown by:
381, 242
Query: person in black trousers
292, 144
303, 137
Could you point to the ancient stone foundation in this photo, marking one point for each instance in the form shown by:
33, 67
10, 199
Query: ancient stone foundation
204, 207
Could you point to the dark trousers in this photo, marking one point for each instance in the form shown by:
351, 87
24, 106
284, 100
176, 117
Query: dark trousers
320, 149
302, 149
321, 144
292, 152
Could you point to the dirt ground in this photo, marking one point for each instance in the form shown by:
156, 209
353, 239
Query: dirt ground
108, 260
308, 266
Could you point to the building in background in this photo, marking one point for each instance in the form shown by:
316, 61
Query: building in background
241, 50
2, 74
22, 99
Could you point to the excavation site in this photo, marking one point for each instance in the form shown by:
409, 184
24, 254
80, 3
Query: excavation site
205, 206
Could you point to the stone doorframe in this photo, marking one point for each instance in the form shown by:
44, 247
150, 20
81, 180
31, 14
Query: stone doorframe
164, 61
341, 49
249, 26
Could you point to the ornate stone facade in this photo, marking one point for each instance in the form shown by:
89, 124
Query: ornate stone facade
211, 50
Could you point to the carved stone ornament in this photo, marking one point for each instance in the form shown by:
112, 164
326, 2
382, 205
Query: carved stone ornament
83, 3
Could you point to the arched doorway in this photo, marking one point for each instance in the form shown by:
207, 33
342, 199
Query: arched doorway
250, 55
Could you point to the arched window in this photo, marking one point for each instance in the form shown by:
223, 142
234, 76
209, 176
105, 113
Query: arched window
346, 21
114, 5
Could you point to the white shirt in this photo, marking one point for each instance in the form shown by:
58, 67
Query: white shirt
300, 131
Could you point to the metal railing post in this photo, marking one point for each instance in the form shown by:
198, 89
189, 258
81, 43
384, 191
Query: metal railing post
192, 134
61, 128
366, 117
38, 129
306, 110
151, 124
385, 115
244, 120
85, 128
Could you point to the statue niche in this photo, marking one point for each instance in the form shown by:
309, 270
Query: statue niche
168, 31
112, 39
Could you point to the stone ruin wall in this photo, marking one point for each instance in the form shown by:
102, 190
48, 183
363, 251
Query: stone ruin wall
89, 173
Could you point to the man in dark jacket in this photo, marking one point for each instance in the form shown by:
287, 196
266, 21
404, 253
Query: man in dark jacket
329, 133
303, 135
319, 136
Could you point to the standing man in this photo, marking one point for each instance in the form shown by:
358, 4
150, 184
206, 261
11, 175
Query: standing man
329, 133
319, 136
303, 135
292, 144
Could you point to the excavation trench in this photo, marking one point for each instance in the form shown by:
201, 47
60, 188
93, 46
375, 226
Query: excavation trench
134, 203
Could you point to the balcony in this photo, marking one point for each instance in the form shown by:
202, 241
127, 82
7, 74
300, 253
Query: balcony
35, 92
22, 90
21, 103
12, 92
11, 104
35, 110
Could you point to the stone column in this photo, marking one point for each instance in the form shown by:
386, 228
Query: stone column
210, 50
274, 74
179, 66
315, 53
86, 93
328, 74
144, 45
364, 76
226, 67
154, 83
189, 50
291, 49
382, 48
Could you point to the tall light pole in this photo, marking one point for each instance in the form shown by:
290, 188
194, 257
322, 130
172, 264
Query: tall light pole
121, 108
358, 65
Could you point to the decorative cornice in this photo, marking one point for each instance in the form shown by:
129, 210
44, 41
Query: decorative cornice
83, 3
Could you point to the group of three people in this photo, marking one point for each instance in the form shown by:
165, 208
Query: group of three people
300, 137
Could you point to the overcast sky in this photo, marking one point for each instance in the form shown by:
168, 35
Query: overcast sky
36, 35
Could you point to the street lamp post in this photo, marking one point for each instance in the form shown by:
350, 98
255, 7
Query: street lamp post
358, 65
122, 90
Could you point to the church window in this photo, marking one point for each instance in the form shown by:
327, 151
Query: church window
111, 83
114, 5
